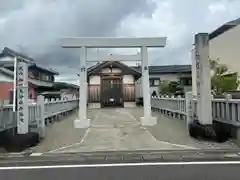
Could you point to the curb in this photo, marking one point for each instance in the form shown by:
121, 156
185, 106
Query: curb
18, 154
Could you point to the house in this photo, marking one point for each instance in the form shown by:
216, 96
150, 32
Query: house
224, 45
112, 83
174, 73
40, 78
66, 89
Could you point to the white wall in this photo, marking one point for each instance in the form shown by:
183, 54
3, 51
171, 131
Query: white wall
94, 80
169, 77
128, 79
7, 58
5, 78
139, 92
226, 48
108, 70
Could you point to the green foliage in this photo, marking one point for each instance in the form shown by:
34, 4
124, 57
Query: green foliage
170, 87
164, 87
221, 81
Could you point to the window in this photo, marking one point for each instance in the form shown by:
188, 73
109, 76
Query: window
186, 81
154, 82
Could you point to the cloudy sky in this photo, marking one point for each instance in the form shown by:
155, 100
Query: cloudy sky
35, 26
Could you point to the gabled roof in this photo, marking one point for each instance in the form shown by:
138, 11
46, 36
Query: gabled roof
96, 68
167, 69
44, 69
11, 74
63, 85
9, 52
225, 27
6, 71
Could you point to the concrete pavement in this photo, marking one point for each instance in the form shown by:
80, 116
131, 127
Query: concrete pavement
118, 129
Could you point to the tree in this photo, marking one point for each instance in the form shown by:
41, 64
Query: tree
221, 81
171, 87
164, 87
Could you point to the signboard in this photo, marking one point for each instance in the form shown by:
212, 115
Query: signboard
22, 96
203, 79
198, 80
189, 105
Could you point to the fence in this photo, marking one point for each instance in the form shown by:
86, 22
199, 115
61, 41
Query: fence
39, 112
225, 110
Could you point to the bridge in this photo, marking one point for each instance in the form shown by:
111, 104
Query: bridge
163, 123
120, 129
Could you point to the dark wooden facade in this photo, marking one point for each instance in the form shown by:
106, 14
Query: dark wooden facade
111, 85
94, 93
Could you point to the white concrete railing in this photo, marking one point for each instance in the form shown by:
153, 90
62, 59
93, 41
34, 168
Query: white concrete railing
223, 110
48, 108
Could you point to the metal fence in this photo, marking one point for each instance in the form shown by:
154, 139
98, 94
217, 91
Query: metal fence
225, 110
49, 108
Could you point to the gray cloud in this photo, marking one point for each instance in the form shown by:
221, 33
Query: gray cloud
13, 5
197, 17
36, 27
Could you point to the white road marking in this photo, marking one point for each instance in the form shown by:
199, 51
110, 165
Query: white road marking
122, 165
72, 145
36, 154
164, 142
78, 143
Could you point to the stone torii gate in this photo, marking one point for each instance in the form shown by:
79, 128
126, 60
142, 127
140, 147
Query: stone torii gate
108, 42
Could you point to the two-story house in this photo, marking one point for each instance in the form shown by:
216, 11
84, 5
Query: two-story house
174, 73
40, 78
224, 45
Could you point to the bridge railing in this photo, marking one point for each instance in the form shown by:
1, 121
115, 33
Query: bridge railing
223, 110
46, 109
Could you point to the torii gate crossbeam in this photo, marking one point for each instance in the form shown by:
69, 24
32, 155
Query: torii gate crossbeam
110, 42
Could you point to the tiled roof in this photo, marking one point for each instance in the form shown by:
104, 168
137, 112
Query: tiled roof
225, 27
7, 51
11, 74
102, 64
167, 69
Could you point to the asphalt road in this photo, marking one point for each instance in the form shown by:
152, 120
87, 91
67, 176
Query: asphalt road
133, 172
142, 165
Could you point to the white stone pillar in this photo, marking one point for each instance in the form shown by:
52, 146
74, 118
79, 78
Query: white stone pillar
41, 123
83, 122
194, 84
189, 108
203, 79
147, 120
22, 97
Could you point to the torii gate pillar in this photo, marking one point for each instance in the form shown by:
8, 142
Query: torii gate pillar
98, 42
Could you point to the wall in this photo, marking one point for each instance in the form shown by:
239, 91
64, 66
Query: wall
7, 58
114, 70
33, 93
5, 88
226, 48
94, 88
128, 79
94, 80
5, 78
